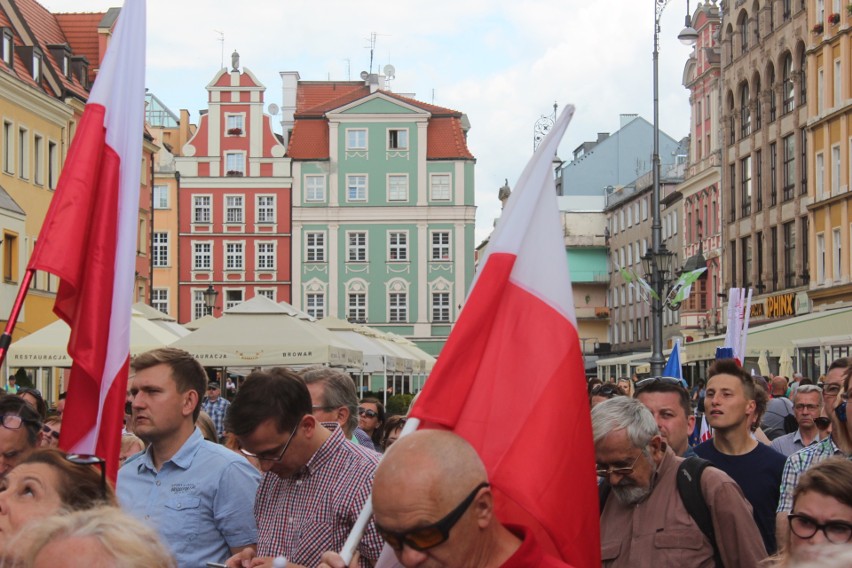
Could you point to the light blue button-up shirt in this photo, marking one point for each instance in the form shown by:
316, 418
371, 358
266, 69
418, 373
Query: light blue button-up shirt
201, 501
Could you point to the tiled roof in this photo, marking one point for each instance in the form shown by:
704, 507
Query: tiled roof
81, 30
309, 140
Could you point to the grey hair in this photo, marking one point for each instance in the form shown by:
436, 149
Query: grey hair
339, 390
810, 388
626, 413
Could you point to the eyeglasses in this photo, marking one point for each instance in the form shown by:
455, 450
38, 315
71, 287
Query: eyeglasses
90, 460
13, 421
277, 458
822, 422
606, 389
367, 412
321, 407
836, 532
50, 431
432, 535
808, 407
609, 470
654, 380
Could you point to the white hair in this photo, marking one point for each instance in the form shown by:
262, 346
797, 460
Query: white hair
626, 413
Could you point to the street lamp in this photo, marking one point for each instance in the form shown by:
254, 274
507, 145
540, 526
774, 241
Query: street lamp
210, 295
658, 261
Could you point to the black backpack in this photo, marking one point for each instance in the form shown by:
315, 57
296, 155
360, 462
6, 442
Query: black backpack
689, 488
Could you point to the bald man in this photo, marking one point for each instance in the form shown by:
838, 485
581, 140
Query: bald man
433, 506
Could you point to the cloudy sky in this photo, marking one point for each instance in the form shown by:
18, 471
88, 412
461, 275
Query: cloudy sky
504, 63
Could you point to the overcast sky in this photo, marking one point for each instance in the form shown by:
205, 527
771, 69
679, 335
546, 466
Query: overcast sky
503, 63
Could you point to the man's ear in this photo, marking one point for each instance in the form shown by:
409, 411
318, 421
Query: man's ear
190, 402
484, 507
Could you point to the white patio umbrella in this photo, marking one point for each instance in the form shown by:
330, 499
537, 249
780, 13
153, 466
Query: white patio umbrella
763, 364
785, 363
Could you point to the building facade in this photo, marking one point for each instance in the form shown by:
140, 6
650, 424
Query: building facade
383, 207
233, 201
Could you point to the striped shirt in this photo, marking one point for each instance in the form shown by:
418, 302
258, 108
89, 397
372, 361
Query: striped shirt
797, 464
312, 511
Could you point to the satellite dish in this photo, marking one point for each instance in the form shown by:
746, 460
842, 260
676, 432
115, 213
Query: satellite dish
364, 75
390, 71
273, 109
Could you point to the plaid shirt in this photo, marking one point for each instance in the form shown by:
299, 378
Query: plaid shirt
313, 510
217, 411
797, 464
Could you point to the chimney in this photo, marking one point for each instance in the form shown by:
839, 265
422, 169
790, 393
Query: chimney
289, 88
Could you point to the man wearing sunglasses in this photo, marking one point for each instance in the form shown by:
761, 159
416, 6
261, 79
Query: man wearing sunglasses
433, 506
315, 481
216, 406
835, 389
20, 432
197, 494
645, 521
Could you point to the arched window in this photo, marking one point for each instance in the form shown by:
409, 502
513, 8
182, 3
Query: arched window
745, 111
757, 106
803, 82
773, 105
787, 83
742, 23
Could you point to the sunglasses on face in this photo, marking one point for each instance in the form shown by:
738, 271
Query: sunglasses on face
655, 380
432, 535
368, 413
822, 422
12, 421
50, 431
606, 389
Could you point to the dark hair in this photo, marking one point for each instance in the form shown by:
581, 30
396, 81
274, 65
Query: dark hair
393, 424
17, 406
731, 367
761, 401
79, 485
278, 393
660, 386
832, 478
187, 373
41, 406
380, 409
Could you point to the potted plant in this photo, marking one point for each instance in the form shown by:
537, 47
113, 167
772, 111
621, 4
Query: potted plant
834, 18
236, 131
235, 173
818, 29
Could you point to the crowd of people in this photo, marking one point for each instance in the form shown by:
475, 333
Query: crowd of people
278, 475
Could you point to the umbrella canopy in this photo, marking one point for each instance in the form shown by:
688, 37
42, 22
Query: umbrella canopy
163, 320
377, 357
199, 323
785, 363
260, 332
48, 347
426, 360
763, 364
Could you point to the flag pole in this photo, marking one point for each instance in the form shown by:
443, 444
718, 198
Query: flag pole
6, 338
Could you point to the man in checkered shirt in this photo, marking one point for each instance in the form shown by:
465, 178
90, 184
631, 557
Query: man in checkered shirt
315, 482
215, 405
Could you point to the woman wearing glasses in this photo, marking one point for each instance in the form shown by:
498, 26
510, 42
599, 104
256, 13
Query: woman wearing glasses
46, 483
371, 419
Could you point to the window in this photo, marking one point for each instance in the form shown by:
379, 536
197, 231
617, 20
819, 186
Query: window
265, 208
199, 308
773, 174
441, 307
397, 187
357, 307
265, 292
806, 264
803, 80
235, 124
315, 304
820, 175
758, 244
837, 257
439, 187
820, 258
38, 160
52, 165
773, 255
732, 248
202, 258
789, 254
758, 159
233, 208
23, 153
745, 186
161, 197
746, 258
732, 185
820, 90
398, 307
356, 187
265, 259
314, 188
838, 82
235, 164
441, 245
315, 246
8, 148
398, 139
773, 105
160, 250
356, 250
803, 188
233, 298
160, 299
8, 46
356, 138
835, 170
789, 166
37, 62
398, 246
745, 112
202, 206
787, 79
10, 258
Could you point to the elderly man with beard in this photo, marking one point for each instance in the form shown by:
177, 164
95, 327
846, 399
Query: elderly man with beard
644, 522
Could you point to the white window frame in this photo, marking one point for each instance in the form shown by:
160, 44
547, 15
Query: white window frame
38, 159
23, 152
52, 164
353, 310
819, 166
820, 258
230, 300
441, 251
199, 307
357, 139
235, 120
357, 250
441, 311
393, 136
358, 187
315, 246
440, 191
235, 255
199, 208
397, 246
160, 249
315, 303
315, 188
158, 302
198, 256
161, 196
235, 162
398, 193
397, 306
266, 292
8, 147
838, 84
837, 256
265, 253
835, 169
265, 213
235, 207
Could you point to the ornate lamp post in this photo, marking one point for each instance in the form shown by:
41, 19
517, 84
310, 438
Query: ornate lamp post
210, 295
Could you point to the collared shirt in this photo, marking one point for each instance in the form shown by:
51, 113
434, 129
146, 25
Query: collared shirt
216, 410
363, 439
660, 532
789, 444
200, 501
313, 510
797, 464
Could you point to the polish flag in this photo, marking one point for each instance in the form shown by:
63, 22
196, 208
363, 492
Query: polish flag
511, 380
706, 431
89, 241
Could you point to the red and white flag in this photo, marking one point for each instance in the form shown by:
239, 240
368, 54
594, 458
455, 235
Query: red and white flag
89, 241
705, 432
511, 380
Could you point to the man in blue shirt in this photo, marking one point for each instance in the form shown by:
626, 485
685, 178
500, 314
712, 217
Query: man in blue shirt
199, 495
730, 406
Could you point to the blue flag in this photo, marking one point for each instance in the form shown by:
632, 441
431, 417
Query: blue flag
673, 368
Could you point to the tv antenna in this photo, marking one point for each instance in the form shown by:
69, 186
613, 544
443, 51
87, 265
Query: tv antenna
372, 47
221, 40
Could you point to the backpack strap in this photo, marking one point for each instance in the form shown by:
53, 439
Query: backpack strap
689, 488
603, 492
